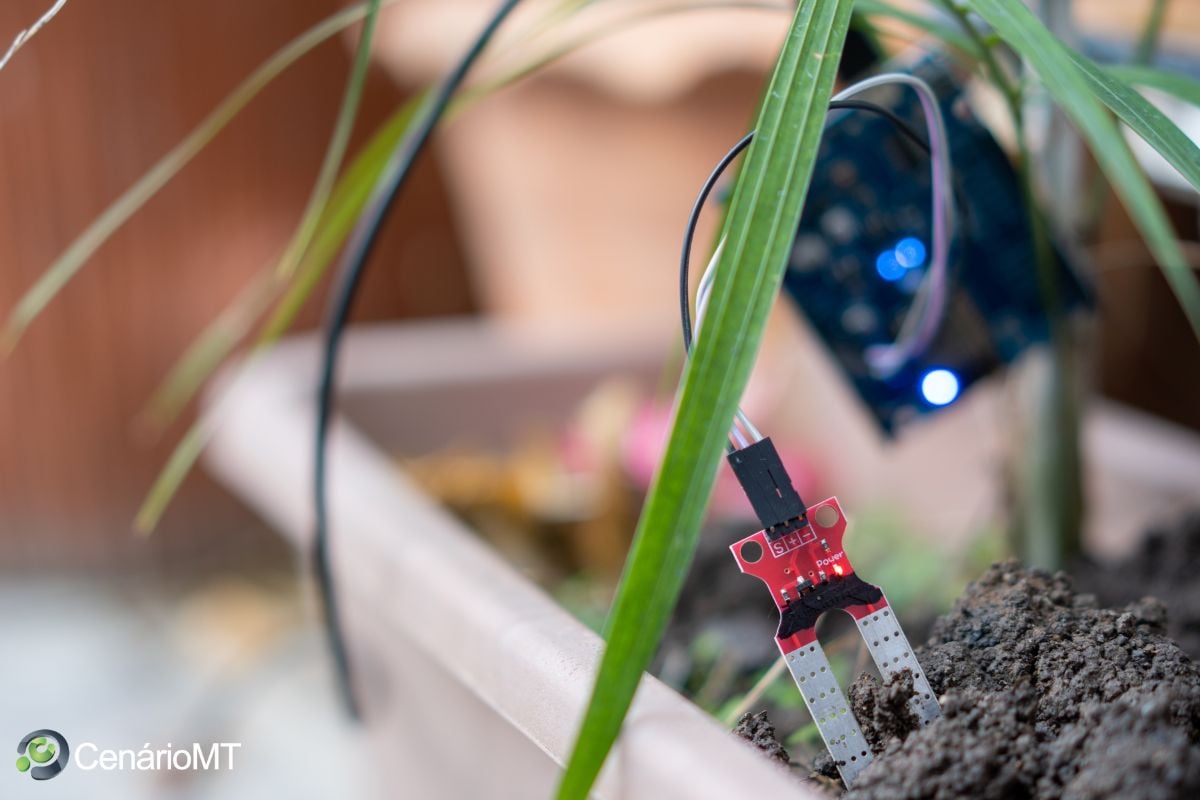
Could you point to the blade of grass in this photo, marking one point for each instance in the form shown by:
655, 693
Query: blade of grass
1070, 88
102, 228
1180, 86
946, 33
336, 150
170, 478
1148, 41
1144, 118
342, 213
760, 226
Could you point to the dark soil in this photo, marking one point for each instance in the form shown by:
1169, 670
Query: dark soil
883, 710
1044, 695
758, 731
1163, 566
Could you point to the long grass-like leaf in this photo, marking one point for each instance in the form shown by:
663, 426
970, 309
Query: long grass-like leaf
336, 150
1148, 42
1180, 86
171, 477
765, 210
102, 228
1071, 89
1144, 118
348, 201
922, 22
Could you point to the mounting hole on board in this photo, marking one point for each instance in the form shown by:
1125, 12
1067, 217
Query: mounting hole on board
751, 552
827, 516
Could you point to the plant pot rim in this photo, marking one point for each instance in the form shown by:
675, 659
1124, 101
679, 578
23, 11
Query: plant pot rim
505, 639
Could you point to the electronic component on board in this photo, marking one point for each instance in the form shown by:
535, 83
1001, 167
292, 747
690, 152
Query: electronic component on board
799, 555
864, 247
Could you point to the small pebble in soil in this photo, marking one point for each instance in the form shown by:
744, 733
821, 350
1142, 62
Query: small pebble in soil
1044, 695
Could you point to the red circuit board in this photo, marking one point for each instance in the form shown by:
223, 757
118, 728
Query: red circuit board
808, 572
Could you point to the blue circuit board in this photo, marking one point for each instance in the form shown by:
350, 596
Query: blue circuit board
862, 249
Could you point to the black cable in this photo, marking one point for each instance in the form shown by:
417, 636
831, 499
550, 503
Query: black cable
349, 276
685, 312
689, 233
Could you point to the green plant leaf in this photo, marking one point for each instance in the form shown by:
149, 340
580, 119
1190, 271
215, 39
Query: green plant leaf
336, 150
347, 202
1148, 41
1180, 86
1071, 89
939, 30
1144, 118
762, 220
169, 479
102, 228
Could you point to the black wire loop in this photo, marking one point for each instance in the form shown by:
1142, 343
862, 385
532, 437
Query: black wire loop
689, 233
348, 279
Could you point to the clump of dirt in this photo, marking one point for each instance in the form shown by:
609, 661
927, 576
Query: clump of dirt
884, 710
1164, 566
1044, 695
758, 731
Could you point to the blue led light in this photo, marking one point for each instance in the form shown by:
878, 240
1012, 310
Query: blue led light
888, 267
939, 387
910, 252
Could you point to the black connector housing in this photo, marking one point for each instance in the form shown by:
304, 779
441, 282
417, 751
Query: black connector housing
769, 488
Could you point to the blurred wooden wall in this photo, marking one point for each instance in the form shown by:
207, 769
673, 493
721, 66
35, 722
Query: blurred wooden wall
94, 100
